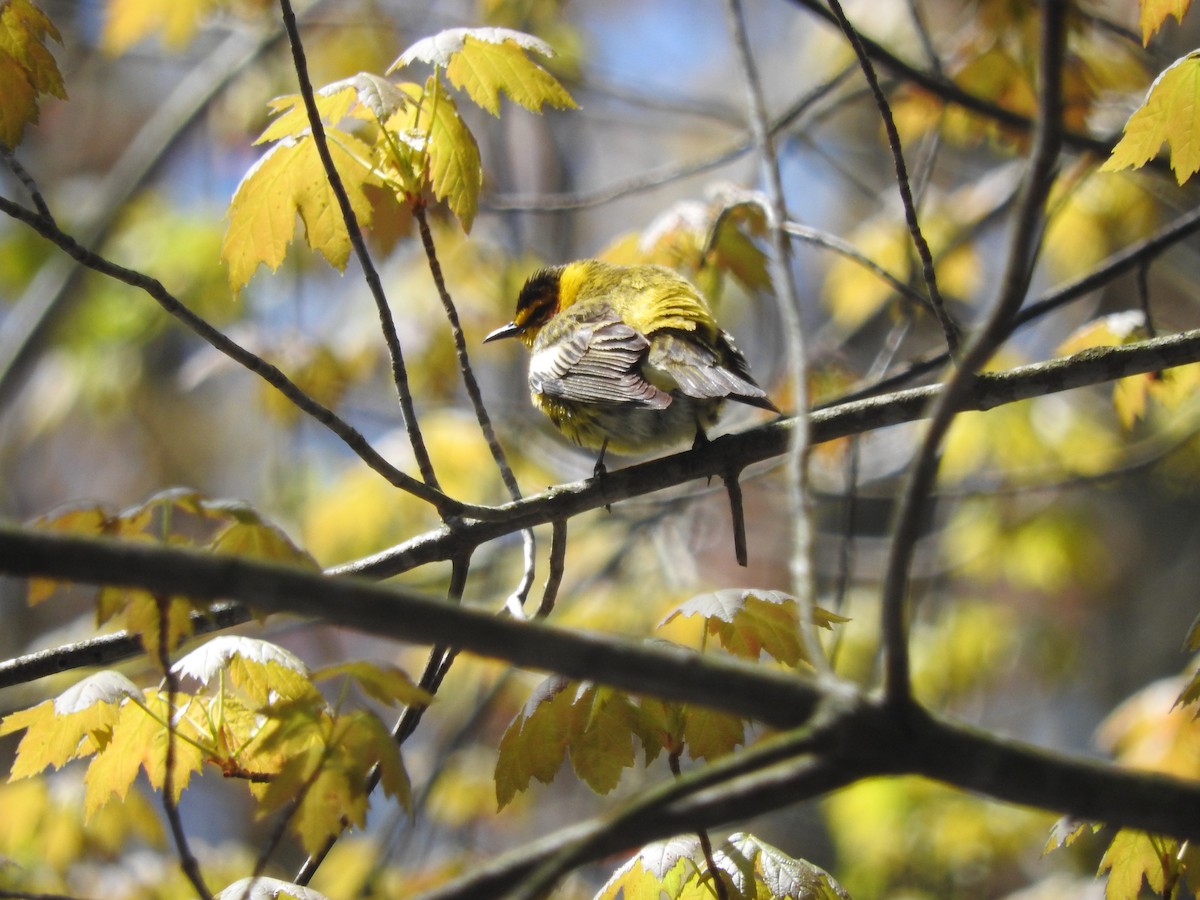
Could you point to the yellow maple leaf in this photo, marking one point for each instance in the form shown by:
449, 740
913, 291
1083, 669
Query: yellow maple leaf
1170, 114
487, 61
27, 68
289, 180
1154, 13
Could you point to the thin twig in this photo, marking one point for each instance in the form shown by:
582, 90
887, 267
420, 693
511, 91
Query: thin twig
1014, 283
471, 383
949, 327
23, 176
187, 859
370, 274
819, 238
720, 890
558, 559
737, 515
1142, 280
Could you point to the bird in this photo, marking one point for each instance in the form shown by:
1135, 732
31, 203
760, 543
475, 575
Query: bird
626, 358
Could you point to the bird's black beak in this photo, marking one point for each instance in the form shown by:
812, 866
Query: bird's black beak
512, 329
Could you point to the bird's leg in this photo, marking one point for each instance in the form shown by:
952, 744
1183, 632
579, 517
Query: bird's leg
599, 470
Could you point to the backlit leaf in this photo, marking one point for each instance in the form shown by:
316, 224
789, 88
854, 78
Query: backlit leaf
1134, 856
27, 68
751, 622
1155, 12
487, 61
710, 734
253, 538
289, 180
52, 739
386, 683
601, 746
139, 743
1170, 114
535, 743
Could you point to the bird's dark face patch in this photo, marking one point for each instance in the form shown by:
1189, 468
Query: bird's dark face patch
539, 299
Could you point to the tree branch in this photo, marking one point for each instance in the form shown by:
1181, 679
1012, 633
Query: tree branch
1094, 366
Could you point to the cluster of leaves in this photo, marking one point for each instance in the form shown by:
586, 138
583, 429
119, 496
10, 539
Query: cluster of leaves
179, 518
255, 715
598, 726
402, 138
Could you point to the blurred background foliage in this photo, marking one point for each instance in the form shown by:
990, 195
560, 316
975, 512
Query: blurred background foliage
1057, 574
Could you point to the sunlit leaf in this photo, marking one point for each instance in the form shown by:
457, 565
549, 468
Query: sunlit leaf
360, 96
1134, 856
1155, 12
535, 743
215, 655
27, 68
487, 61
1171, 115
289, 180
386, 683
139, 743
751, 622
109, 687
657, 868
1066, 831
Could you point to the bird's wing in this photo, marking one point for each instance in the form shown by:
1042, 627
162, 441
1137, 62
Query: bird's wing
597, 361
704, 372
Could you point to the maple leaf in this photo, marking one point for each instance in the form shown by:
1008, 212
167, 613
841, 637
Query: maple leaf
289, 180
258, 668
27, 69
535, 743
139, 743
1134, 856
1170, 114
487, 61
386, 683
1155, 12
751, 622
